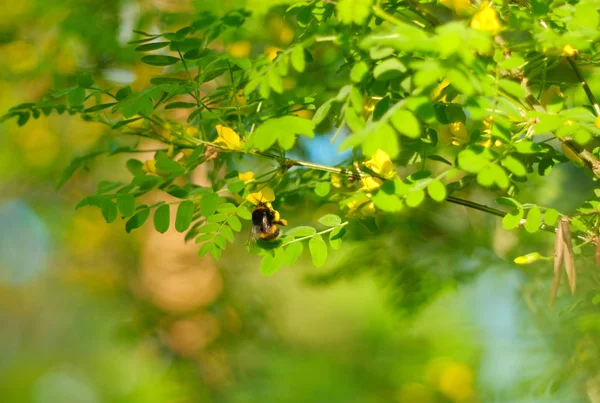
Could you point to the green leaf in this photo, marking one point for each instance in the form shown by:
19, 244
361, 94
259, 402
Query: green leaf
322, 189
159, 60
322, 112
534, 220
460, 82
547, 123
354, 121
123, 93
226, 208
208, 204
138, 219
358, 72
415, 197
292, 253
166, 164
275, 81
235, 223
85, 80
528, 147
513, 62
384, 201
272, 263
236, 186
220, 240
353, 11
508, 202
216, 253
205, 237
550, 216
514, 165
162, 218
281, 129
99, 107
301, 231
218, 217
195, 156
205, 248
389, 69
135, 167
499, 176
227, 233
151, 46
126, 204
330, 220
210, 227
185, 214
512, 88
436, 190
23, 118
297, 58
406, 123
109, 210
244, 213
76, 96
318, 250
180, 105
335, 237
471, 162
383, 137
512, 219
586, 15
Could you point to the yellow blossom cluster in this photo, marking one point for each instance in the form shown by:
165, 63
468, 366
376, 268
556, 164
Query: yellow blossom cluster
486, 19
381, 164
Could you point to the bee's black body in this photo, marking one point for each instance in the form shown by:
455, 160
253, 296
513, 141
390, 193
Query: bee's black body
264, 220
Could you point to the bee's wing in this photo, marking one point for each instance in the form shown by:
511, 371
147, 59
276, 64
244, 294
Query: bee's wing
265, 224
254, 234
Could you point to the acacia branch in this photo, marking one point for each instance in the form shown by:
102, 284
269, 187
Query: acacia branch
289, 162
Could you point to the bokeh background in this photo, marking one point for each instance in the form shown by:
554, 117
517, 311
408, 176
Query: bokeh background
430, 308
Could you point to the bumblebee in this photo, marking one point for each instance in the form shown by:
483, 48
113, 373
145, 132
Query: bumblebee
264, 222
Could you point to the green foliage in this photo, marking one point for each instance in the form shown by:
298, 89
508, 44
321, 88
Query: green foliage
454, 105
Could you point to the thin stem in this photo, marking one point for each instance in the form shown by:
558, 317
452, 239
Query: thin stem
584, 84
315, 234
235, 100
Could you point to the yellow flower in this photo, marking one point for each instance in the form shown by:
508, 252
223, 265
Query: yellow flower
271, 51
163, 130
597, 124
281, 30
457, 5
569, 50
528, 258
456, 381
459, 133
487, 123
227, 138
136, 124
150, 167
361, 207
438, 90
369, 183
487, 20
265, 195
552, 92
246, 176
336, 181
191, 131
240, 49
381, 164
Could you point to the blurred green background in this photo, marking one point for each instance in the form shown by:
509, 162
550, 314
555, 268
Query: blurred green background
428, 309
